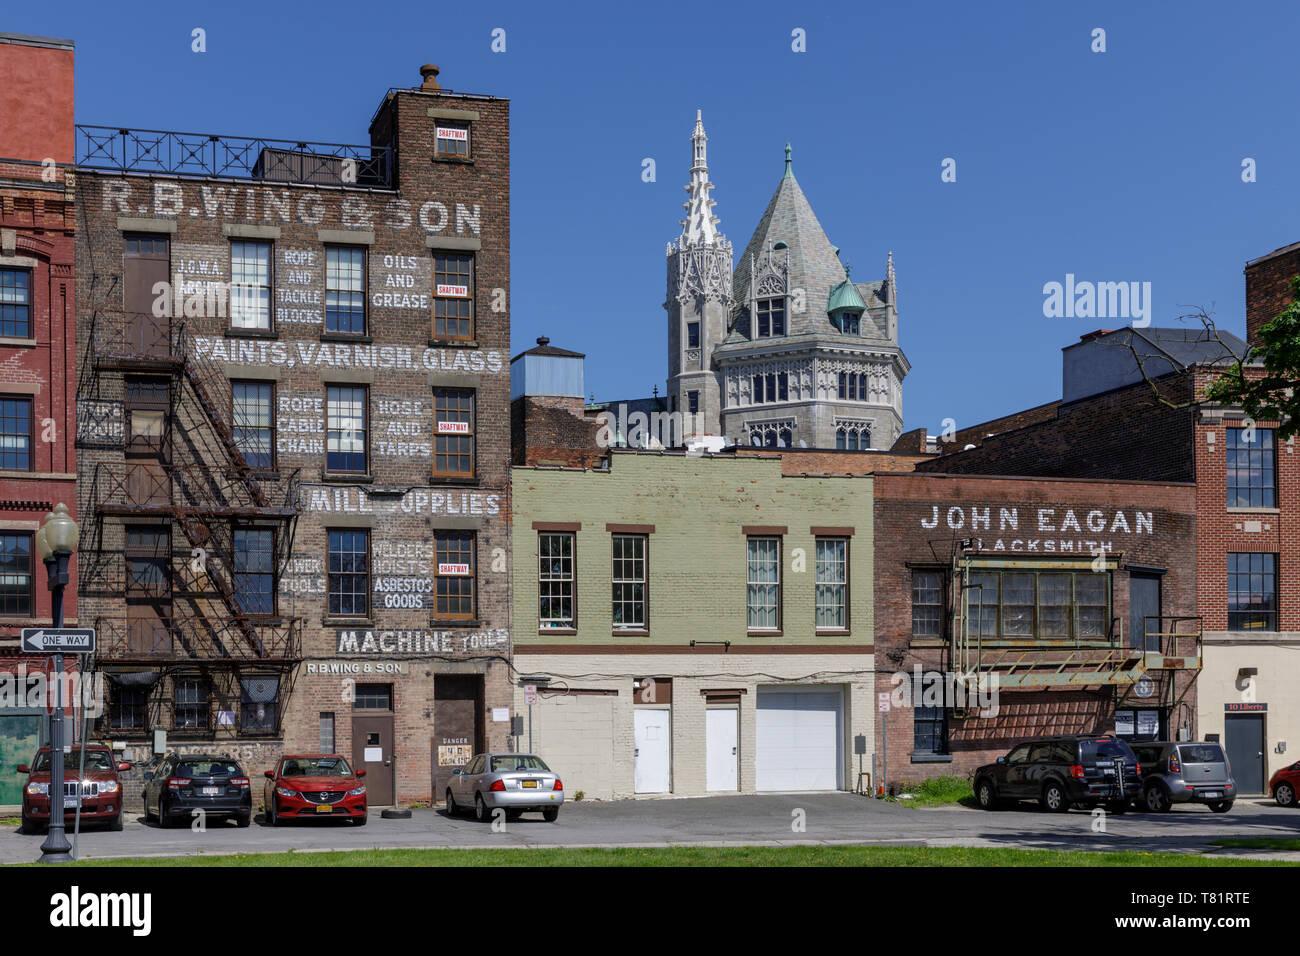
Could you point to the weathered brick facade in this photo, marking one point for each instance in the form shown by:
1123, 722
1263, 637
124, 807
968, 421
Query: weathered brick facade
1017, 525
37, 356
408, 663
1268, 287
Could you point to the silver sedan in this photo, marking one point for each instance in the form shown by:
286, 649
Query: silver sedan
514, 782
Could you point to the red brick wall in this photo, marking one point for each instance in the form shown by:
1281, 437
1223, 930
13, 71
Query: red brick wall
904, 507
1268, 287
36, 99
552, 430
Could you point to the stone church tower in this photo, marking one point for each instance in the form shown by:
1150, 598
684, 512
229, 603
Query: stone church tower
790, 352
699, 300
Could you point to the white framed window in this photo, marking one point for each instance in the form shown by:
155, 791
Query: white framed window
555, 580
832, 584
250, 285
763, 577
629, 581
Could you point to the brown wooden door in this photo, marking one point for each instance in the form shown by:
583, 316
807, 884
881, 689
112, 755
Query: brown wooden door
458, 731
148, 590
148, 441
146, 263
372, 751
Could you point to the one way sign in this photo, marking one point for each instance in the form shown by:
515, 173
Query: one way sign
59, 640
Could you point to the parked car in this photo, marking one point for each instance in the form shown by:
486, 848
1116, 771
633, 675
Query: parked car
100, 788
184, 783
1284, 784
314, 785
516, 782
1085, 770
1185, 772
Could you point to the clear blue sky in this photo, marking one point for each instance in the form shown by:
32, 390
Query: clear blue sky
1123, 165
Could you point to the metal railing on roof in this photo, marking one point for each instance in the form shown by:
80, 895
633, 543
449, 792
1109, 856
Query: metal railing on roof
206, 155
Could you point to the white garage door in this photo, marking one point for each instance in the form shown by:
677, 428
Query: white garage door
575, 736
798, 740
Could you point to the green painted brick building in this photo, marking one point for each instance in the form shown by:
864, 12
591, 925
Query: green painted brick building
695, 624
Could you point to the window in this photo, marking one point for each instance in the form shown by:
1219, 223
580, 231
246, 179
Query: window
771, 317
693, 402
929, 730
16, 575
453, 297
927, 603
832, 584
372, 697
250, 285
327, 733
1041, 605
345, 290
1252, 479
259, 704
853, 437
1252, 592
346, 412
129, 707
853, 387
16, 303
850, 323
348, 583
148, 403
555, 580
15, 433
191, 706
763, 575
451, 140
454, 424
629, 581
454, 551
254, 423
692, 335
772, 387
255, 570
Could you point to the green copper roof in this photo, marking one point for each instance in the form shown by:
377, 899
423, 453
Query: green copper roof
789, 166
845, 297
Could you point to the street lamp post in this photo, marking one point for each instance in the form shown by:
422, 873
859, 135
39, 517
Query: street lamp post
55, 542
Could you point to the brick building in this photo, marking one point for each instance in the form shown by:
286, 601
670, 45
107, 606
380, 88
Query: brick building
37, 357
1112, 423
1007, 608
295, 445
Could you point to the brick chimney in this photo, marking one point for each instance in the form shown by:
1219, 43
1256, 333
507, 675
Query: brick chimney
429, 72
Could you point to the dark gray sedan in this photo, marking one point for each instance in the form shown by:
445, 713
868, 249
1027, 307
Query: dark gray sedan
514, 782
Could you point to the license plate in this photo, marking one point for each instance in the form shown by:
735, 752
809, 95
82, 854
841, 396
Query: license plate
324, 809
211, 791
1213, 793
530, 784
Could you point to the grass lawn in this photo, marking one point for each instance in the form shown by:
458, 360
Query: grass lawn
1280, 844
938, 791
700, 856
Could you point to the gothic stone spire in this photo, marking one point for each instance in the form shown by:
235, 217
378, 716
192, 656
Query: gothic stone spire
700, 227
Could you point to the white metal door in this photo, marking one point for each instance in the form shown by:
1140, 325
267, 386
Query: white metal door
798, 740
653, 741
722, 764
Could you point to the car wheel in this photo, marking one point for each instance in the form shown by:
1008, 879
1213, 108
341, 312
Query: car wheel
1221, 806
1117, 807
115, 825
480, 808
163, 821
244, 819
147, 815
985, 795
271, 815
1284, 794
551, 814
361, 820
29, 828
1156, 799
452, 809
1054, 799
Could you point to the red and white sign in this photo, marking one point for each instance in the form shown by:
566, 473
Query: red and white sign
451, 132
453, 568
462, 291
530, 694
883, 703
453, 428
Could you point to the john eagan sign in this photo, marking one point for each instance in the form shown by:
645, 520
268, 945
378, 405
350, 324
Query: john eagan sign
1058, 530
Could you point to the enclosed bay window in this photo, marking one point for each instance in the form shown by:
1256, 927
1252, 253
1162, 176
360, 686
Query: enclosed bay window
1047, 605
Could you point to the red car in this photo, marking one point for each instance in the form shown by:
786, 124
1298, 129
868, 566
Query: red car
1285, 784
100, 789
315, 785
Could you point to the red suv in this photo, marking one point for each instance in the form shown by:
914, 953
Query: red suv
99, 788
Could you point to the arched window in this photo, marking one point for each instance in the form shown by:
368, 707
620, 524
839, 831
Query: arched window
786, 438
840, 439
771, 439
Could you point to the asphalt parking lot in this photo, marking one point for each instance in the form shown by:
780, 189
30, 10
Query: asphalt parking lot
828, 818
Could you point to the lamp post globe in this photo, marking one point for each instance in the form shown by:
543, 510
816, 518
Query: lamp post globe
56, 540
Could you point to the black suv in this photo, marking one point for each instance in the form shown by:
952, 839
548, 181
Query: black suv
184, 783
1059, 772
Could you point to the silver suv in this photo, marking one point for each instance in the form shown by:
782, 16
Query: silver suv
1185, 772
